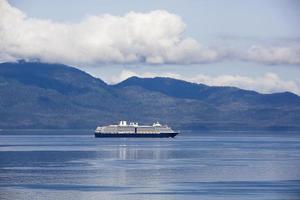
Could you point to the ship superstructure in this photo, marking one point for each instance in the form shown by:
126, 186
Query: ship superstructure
133, 129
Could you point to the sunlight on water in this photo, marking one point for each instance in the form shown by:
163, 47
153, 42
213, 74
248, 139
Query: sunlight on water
223, 165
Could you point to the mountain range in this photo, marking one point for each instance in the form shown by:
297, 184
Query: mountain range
36, 95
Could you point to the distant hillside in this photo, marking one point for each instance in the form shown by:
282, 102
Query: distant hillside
213, 95
40, 95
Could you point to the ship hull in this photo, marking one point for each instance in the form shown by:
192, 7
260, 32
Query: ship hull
135, 135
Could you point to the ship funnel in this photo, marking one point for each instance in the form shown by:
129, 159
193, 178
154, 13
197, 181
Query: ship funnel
123, 123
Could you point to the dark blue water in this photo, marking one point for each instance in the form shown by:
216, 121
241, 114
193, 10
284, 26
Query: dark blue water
214, 166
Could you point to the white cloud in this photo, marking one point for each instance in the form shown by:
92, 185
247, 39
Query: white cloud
268, 83
274, 55
156, 37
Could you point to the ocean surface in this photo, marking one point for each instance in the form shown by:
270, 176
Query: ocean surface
194, 165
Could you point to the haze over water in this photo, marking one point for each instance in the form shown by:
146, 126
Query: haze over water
193, 165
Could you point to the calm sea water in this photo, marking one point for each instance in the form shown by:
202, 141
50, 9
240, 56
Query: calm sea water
212, 165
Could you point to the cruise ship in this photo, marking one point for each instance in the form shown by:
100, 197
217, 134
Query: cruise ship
132, 129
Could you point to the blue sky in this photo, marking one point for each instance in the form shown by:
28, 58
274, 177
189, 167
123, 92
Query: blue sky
238, 43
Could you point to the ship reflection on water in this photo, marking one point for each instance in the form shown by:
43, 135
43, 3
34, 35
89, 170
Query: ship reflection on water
128, 153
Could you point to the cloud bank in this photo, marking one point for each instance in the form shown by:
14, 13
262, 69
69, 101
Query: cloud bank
268, 83
274, 55
155, 37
